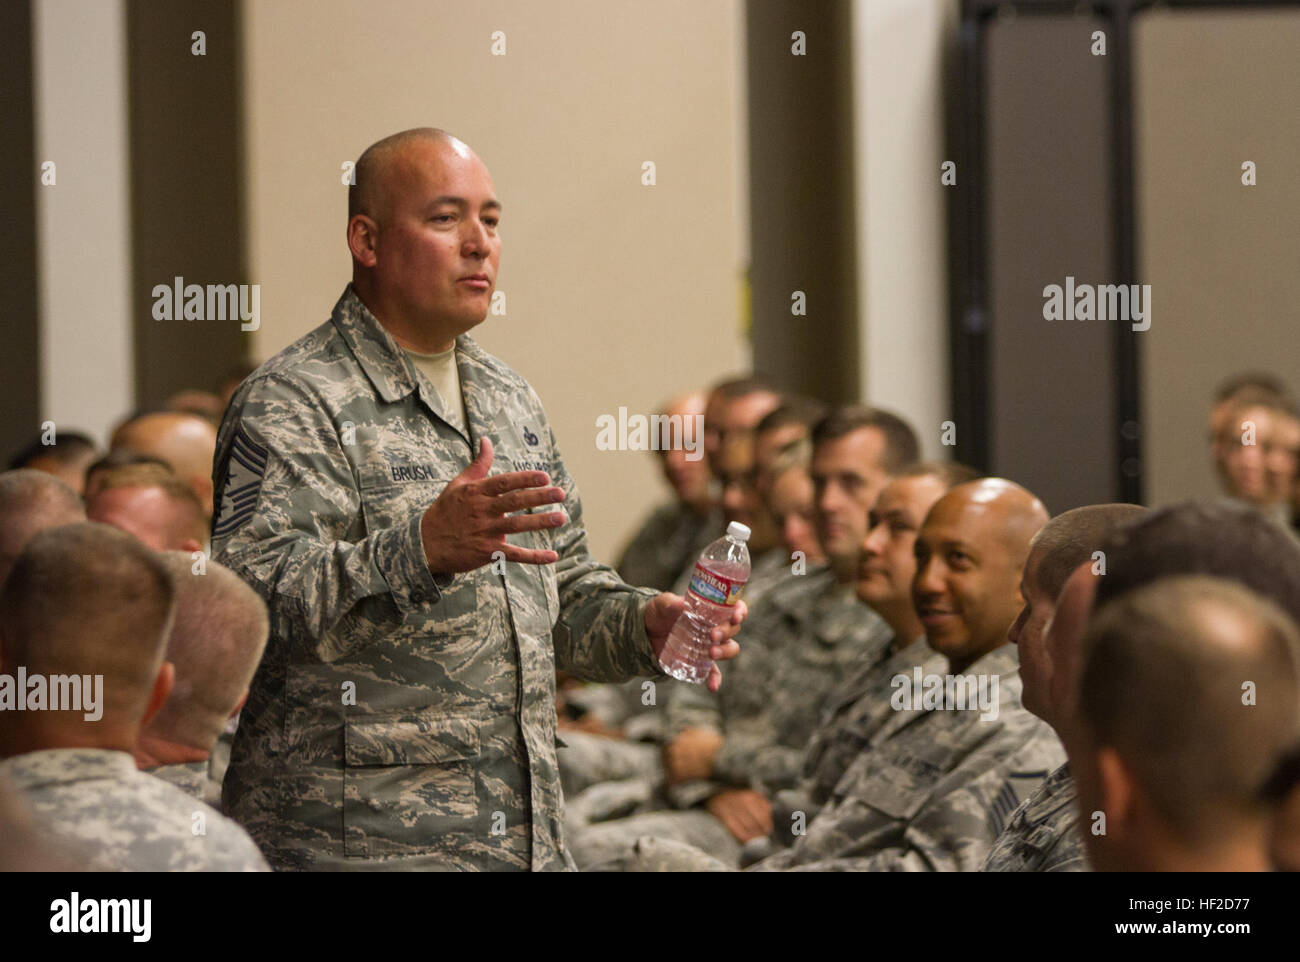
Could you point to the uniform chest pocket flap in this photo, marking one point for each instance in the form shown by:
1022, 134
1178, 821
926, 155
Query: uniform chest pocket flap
409, 778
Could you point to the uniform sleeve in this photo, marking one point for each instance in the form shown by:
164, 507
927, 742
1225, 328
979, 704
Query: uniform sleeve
600, 634
752, 757
287, 501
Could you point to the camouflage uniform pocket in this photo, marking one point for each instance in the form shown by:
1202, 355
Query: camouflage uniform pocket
409, 778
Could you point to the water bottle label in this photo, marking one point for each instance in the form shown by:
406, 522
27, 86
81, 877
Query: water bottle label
713, 587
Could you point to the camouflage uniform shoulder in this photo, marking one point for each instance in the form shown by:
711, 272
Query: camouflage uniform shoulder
121, 819
1042, 834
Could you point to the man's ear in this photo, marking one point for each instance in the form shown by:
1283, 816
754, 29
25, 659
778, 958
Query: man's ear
363, 239
162, 687
1117, 790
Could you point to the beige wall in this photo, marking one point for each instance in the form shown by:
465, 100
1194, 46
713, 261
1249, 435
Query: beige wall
617, 294
902, 238
1214, 90
83, 219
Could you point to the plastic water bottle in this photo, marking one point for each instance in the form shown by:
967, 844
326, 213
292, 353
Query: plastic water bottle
719, 576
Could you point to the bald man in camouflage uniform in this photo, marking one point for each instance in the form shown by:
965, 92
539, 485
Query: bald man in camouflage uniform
404, 713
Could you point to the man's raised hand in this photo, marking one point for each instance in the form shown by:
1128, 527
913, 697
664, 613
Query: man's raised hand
470, 519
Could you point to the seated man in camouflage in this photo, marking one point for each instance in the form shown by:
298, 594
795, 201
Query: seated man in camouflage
1039, 836
216, 640
1221, 540
930, 794
861, 704
72, 763
734, 751
1170, 774
930, 790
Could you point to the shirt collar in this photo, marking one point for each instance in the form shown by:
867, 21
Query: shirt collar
64, 766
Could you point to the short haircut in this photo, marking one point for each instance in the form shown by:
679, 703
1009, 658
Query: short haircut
363, 196
1164, 672
190, 520
68, 448
949, 473
122, 457
901, 446
87, 599
217, 638
1219, 539
1071, 538
793, 410
1258, 382
738, 387
31, 501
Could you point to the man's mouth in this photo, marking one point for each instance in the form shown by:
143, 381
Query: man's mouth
933, 616
479, 282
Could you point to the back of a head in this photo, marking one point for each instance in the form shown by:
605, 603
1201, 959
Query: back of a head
86, 599
30, 502
66, 447
185, 517
1072, 537
186, 442
217, 637
1192, 681
1221, 540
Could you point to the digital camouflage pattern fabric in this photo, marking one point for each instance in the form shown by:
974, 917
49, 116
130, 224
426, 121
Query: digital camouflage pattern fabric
395, 721
672, 538
113, 818
192, 778
801, 639
1043, 833
853, 714
933, 794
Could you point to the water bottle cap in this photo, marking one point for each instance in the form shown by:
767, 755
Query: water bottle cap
738, 531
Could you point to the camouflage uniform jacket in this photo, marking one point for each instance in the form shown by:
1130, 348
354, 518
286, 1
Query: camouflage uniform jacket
670, 540
854, 713
1043, 834
801, 639
192, 778
933, 794
397, 720
123, 820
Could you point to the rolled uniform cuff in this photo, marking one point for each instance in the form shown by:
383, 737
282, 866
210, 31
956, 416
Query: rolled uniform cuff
399, 558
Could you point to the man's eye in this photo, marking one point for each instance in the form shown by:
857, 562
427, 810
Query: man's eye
959, 559
492, 222
443, 217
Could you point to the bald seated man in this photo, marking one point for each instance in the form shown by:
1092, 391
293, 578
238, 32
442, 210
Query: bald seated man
30, 502
858, 708
931, 789
149, 502
185, 441
217, 637
1169, 774
394, 492
85, 614
1041, 835
931, 793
